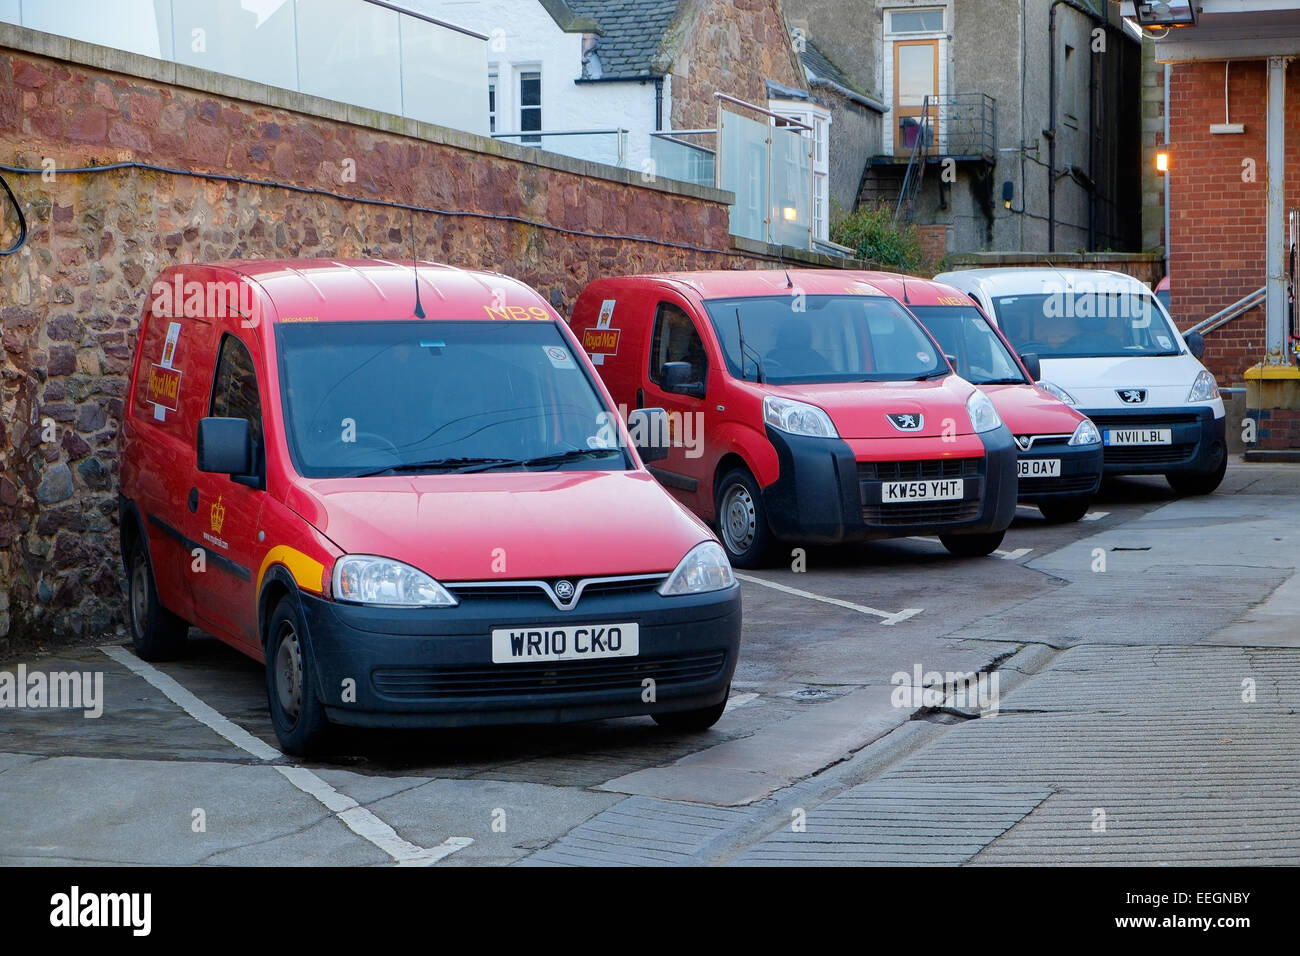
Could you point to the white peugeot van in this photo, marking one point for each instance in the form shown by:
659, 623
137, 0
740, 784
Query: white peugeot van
1107, 346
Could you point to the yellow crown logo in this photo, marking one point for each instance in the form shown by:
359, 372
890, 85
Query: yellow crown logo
217, 516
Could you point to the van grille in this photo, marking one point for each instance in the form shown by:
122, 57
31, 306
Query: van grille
1138, 420
923, 468
1148, 454
920, 513
1070, 483
500, 681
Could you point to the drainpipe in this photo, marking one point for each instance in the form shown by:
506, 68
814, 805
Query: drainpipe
1169, 173
659, 103
1092, 144
1275, 229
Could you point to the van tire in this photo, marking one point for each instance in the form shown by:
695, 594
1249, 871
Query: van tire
156, 633
742, 519
1199, 482
291, 684
1064, 510
972, 545
693, 721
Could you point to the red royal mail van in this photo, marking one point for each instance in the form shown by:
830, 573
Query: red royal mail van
1060, 450
804, 406
408, 494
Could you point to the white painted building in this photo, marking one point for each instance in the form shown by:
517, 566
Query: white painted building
546, 75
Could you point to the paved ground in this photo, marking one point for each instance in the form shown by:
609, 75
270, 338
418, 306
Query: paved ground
1147, 662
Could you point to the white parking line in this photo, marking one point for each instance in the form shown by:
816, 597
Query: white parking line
738, 700
889, 617
1094, 515
354, 816
1013, 555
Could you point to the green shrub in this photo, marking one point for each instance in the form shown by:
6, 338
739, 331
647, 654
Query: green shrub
872, 234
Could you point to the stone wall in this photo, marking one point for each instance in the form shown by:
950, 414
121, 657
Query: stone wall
718, 40
71, 299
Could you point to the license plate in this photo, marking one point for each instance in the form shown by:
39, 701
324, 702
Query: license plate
516, 645
1040, 468
943, 489
1139, 436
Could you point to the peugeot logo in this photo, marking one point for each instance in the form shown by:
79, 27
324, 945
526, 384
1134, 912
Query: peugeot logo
907, 422
564, 591
1132, 396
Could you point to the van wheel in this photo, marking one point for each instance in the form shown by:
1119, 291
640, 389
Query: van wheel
1064, 510
693, 721
156, 633
1199, 482
742, 520
296, 710
972, 545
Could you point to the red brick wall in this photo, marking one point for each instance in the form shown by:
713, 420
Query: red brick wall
1216, 219
71, 300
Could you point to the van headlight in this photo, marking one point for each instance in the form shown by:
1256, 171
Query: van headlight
366, 579
798, 418
1057, 392
983, 416
705, 568
1204, 388
1085, 433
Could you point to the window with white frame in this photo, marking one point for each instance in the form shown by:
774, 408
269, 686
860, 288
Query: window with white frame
920, 20
492, 102
820, 121
530, 106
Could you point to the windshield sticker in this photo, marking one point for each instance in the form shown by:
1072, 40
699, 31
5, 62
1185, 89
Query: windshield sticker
1165, 342
924, 357
559, 357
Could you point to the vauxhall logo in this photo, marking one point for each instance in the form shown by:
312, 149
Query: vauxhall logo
564, 591
907, 422
1132, 396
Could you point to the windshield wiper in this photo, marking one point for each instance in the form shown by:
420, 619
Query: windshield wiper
1000, 381
559, 458
928, 375
454, 465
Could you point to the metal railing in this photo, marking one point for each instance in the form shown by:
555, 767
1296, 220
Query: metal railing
1226, 315
960, 126
593, 144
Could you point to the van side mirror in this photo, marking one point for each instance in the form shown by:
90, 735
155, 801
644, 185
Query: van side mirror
649, 430
225, 446
1195, 344
1032, 365
677, 379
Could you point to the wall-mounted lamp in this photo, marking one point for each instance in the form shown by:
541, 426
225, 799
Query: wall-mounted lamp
1165, 13
789, 213
1008, 193
1162, 162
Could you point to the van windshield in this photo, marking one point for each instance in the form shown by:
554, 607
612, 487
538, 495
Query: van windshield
797, 339
371, 398
978, 354
1086, 324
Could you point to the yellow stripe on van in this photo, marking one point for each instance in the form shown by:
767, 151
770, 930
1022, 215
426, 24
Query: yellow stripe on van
306, 571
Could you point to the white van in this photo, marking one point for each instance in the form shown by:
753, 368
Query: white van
1108, 347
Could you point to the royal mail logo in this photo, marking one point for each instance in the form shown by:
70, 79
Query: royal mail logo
217, 516
164, 386
601, 341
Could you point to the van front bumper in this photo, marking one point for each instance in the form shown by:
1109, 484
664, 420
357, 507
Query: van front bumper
828, 494
1197, 440
1080, 475
432, 667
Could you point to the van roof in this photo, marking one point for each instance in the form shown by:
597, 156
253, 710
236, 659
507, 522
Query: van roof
352, 289
1028, 280
917, 291
745, 283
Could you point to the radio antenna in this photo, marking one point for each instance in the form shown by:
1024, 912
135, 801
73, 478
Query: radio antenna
415, 267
